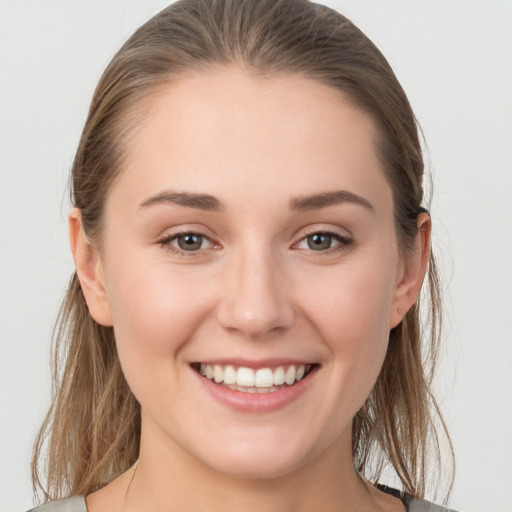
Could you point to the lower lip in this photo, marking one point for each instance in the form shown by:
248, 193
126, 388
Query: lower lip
257, 402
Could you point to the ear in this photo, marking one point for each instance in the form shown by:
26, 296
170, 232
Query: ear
89, 270
412, 272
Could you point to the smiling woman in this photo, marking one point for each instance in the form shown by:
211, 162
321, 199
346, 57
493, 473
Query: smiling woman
250, 239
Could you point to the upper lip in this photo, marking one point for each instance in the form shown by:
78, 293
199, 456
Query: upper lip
253, 363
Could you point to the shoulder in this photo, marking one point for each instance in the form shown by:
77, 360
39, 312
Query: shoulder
413, 504
417, 505
73, 504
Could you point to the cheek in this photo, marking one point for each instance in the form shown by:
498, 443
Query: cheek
353, 301
155, 309
351, 311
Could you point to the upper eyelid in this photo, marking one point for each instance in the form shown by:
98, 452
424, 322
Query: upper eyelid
170, 233
341, 233
337, 236
298, 237
172, 236
344, 240
167, 244
325, 231
169, 238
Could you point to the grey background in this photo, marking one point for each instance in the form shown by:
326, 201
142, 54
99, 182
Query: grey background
454, 58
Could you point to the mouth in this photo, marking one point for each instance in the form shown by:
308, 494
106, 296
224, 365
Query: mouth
254, 380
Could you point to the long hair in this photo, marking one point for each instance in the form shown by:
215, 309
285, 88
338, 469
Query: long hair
91, 433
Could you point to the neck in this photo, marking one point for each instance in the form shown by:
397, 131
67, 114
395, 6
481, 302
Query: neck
167, 478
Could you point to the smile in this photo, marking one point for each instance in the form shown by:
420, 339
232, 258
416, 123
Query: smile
254, 380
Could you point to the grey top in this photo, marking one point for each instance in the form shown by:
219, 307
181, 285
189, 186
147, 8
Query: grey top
77, 503
411, 503
73, 504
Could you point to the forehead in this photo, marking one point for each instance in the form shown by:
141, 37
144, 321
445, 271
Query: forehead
229, 132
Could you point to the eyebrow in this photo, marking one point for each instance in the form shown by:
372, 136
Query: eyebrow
324, 199
302, 203
189, 199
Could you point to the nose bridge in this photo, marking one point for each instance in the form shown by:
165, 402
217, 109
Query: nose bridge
256, 301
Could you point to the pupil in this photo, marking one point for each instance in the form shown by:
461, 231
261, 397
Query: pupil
318, 242
190, 242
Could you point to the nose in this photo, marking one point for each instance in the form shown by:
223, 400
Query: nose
256, 299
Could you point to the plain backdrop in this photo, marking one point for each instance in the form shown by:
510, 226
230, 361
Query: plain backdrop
454, 59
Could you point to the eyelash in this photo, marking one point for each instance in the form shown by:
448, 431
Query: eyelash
167, 244
343, 242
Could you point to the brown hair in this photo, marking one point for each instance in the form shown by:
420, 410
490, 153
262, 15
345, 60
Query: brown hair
92, 429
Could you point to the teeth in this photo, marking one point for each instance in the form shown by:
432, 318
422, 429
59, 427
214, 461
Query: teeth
218, 374
264, 378
243, 389
245, 377
229, 375
279, 376
248, 380
289, 376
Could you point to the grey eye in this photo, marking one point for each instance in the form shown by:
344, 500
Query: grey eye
319, 241
190, 241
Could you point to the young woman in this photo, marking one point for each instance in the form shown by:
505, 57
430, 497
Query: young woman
242, 331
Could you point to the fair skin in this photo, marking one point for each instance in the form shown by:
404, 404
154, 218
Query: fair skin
273, 277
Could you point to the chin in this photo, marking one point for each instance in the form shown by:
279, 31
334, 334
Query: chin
256, 467
257, 459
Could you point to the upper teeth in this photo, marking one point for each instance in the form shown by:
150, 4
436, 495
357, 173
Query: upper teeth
261, 378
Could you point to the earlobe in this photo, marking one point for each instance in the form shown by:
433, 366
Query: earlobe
413, 272
89, 270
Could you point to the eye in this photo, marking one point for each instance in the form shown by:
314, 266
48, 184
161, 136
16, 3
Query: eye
188, 242
323, 241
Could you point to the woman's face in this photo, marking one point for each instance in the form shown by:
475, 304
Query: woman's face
250, 237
